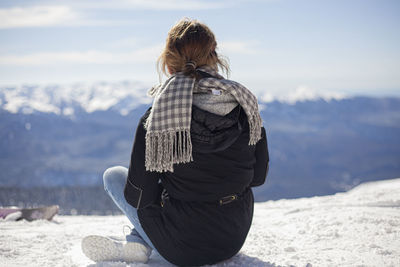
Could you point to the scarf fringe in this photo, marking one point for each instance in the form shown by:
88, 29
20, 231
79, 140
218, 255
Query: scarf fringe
163, 149
255, 124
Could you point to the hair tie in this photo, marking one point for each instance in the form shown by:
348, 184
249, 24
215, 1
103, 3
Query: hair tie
191, 64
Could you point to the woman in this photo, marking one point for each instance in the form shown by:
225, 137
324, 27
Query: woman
197, 152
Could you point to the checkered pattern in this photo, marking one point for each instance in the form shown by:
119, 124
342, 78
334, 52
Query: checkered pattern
168, 125
172, 105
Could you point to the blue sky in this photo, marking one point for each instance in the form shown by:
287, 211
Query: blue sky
275, 47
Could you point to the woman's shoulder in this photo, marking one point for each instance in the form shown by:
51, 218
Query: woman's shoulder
146, 114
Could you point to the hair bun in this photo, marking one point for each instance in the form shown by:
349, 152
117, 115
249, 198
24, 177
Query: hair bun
191, 64
190, 67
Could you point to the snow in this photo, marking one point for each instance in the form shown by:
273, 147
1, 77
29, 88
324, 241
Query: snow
123, 96
302, 93
357, 228
63, 99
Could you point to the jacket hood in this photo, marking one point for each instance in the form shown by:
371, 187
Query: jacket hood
211, 132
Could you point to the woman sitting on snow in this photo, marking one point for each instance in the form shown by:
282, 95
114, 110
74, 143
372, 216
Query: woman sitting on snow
197, 152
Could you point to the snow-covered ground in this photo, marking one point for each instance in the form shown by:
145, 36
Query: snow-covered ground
357, 228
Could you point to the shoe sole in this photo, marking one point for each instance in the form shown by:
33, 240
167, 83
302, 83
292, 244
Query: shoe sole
99, 248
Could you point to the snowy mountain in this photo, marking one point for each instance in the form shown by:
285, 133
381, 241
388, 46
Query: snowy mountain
68, 99
68, 135
357, 228
122, 97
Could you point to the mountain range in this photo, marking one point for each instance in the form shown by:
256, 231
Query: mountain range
60, 136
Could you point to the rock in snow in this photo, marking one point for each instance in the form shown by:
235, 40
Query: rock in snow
357, 228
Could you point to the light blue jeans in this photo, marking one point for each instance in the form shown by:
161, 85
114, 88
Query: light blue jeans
114, 179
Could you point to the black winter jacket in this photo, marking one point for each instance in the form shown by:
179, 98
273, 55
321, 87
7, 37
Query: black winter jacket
200, 213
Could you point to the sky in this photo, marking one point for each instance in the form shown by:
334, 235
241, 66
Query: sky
275, 47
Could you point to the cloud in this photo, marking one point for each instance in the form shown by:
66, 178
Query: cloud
74, 13
51, 16
148, 54
37, 16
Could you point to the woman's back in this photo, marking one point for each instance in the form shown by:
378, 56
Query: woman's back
222, 159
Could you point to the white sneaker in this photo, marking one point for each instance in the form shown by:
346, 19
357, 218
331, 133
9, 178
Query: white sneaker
100, 248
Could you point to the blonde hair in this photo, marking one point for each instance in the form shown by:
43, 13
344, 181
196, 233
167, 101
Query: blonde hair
190, 44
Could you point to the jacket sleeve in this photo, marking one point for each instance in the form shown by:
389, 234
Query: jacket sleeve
262, 160
142, 187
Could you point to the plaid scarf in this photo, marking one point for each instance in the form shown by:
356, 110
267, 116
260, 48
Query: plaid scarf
168, 125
